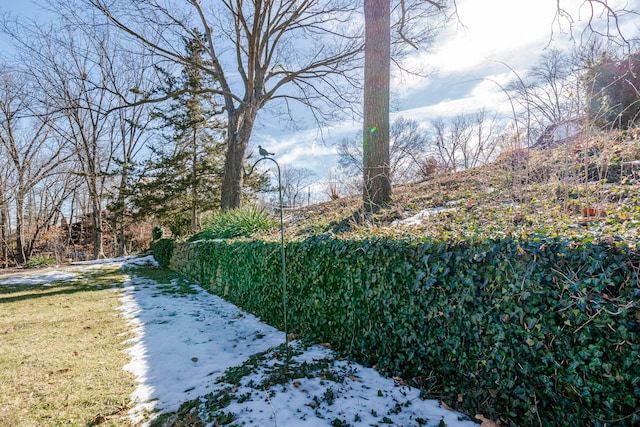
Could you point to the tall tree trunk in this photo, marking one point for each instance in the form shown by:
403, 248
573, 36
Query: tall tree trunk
242, 120
21, 255
194, 176
4, 217
377, 75
120, 225
96, 217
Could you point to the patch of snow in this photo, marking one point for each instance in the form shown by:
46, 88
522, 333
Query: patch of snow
185, 342
43, 279
148, 260
422, 215
362, 397
108, 261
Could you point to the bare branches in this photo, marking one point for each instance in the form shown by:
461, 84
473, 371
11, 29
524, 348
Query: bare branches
403, 19
603, 20
416, 21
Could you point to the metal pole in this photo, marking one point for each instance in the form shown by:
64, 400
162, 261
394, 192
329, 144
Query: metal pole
282, 251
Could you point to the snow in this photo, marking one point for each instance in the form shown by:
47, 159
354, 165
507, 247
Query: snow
422, 215
185, 341
44, 279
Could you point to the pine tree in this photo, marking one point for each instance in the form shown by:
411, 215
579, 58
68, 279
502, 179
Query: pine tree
183, 176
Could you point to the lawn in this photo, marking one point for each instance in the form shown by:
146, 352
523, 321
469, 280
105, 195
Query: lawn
61, 350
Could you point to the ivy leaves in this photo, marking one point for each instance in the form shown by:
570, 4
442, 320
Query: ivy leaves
530, 330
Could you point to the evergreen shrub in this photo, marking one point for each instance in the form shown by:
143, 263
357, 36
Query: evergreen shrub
156, 233
163, 250
38, 261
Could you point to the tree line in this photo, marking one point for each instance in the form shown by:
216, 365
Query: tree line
121, 112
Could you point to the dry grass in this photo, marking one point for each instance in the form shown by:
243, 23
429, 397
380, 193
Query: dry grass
549, 192
61, 355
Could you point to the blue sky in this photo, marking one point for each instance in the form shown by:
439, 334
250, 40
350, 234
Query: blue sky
468, 55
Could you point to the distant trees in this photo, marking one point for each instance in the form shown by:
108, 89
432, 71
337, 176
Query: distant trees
548, 96
131, 134
295, 185
73, 70
466, 141
408, 145
77, 78
564, 93
33, 156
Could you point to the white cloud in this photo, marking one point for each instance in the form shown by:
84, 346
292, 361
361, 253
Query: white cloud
490, 31
487, 93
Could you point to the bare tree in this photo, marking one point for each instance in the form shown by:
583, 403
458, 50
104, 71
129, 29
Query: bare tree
79, 77
466, 142
33, 156
447, 149
4, 210
408, 145
294, 182
259, 53
129, 131
548, 95
604, 21
483, 143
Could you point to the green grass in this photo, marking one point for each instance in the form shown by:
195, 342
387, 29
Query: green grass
242, 222
168, 281
62, 356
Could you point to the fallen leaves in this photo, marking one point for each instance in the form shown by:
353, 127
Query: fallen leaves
59, 371
397, 381
486, 422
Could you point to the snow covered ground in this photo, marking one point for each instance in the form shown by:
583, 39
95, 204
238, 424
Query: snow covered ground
194, 345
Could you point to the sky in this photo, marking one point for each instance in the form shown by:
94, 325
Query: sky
185, 342
470, 55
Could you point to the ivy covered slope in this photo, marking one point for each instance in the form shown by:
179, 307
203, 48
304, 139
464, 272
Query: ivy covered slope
510, 290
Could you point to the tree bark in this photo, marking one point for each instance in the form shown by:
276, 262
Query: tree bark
194, 176
377, 75
96, 222
4, 216
21, 255
120, 225
242, 120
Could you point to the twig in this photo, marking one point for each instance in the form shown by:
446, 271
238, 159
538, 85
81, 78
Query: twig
275, 421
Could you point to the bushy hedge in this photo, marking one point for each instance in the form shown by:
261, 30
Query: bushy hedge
38, 261
536, 332
163, 250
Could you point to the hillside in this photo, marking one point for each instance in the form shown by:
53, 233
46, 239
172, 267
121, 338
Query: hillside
589, 190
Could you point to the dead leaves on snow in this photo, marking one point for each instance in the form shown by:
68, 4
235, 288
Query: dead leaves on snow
486, 422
